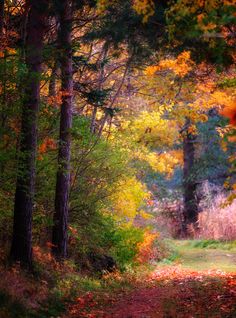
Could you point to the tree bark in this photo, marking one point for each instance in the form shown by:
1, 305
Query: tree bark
189, 183
2, 2
21, 249
59, 235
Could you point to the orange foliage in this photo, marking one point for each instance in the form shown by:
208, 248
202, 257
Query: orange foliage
55, 100
146, 250
41, 256
48, 144
181, 66
230, 112
82, 307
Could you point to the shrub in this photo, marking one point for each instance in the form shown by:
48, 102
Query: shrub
218, 220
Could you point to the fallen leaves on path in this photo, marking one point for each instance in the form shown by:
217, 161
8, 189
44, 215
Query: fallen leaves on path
168, 292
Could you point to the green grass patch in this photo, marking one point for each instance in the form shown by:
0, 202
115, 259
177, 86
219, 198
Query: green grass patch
203, 254
213, 244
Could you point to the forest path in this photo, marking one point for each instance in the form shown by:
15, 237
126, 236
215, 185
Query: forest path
201, 283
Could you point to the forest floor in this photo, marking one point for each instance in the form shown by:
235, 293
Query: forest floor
200, 282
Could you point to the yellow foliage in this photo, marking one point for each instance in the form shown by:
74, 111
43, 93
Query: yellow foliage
146, 8
187, 6
151, 129
145, 215
128, 198
165, 162
11, 51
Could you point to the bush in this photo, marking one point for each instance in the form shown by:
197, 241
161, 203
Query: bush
217, 221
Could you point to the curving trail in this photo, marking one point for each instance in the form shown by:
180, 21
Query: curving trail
174, 291
177, 293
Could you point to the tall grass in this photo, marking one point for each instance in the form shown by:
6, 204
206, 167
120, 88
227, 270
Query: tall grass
218, 221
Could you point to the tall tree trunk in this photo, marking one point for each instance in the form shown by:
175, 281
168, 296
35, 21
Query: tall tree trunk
59, 235
21, 249
189, 182
3, 76
2, 2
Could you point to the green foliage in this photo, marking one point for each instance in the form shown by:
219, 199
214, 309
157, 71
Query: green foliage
199, 30
10, 308
227, 83
54, 307
125, 245
97, 166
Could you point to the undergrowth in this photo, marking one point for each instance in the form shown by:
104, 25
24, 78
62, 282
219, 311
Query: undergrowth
53, 286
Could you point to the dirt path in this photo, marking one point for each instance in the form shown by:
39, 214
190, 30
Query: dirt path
176, 291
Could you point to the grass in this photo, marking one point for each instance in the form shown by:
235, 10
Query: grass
213, 244
205, 254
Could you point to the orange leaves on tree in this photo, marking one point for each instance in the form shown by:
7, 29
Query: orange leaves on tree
7, 44
181, 66
146, 250
229, 111
48, 144
205, 86
57, 99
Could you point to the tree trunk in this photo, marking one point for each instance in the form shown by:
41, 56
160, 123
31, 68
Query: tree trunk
1, 17
189, 183
93, 121
21, 249
59, 235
